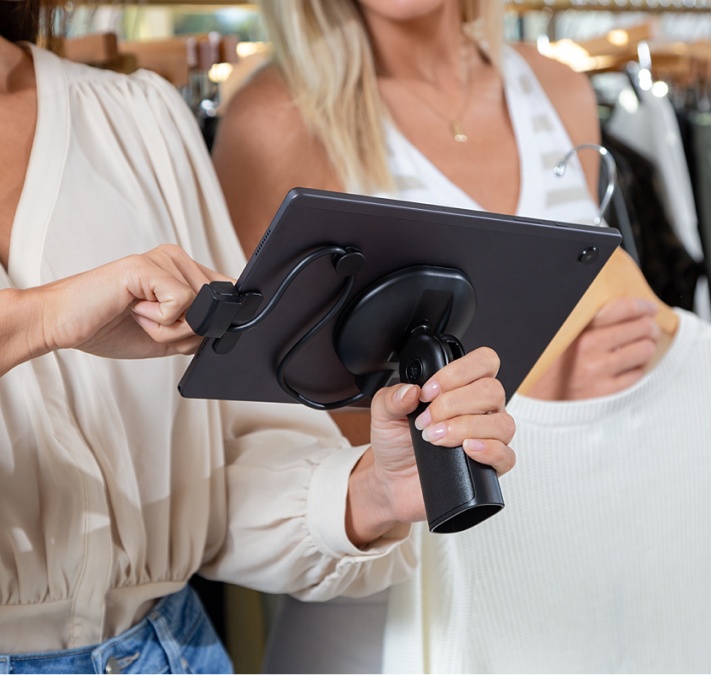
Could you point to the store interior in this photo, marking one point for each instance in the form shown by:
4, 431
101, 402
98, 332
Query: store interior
643, 56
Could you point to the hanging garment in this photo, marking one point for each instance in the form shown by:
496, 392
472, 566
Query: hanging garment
647, 123
671, 271
700, 141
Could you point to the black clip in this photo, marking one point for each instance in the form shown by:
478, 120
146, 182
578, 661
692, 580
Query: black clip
218, 306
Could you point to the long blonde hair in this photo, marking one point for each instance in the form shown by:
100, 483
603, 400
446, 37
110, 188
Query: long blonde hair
321, 48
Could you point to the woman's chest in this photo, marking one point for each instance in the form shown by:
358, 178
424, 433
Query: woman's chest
18, 119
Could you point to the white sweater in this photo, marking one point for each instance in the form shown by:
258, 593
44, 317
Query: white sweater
600, 561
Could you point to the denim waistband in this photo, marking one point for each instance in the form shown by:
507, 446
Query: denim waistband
175, 637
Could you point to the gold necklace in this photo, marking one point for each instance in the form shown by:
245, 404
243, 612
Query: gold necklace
455, 123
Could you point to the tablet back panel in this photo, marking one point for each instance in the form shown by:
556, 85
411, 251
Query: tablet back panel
527, 275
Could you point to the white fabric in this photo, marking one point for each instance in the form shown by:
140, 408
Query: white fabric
600, 561
316, 634
649, 126
114, 490
542, 142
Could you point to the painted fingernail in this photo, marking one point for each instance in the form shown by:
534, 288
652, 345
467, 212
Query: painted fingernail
423, 420
435, 432
473, 445
402, 391
430, 390
647, 306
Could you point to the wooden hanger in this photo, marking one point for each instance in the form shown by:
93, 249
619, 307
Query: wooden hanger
619, 277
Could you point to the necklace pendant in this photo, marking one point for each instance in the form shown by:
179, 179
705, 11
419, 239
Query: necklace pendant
458, 132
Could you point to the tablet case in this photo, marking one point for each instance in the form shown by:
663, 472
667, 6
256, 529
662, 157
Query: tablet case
351, 273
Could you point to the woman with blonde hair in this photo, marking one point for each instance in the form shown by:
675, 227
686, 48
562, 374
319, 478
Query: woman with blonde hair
114, 489
422, 100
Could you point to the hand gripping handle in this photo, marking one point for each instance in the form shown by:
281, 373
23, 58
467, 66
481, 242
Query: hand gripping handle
458, 491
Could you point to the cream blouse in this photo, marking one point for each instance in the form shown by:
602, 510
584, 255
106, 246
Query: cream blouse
114, 490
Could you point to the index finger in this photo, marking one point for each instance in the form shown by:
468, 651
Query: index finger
477, 364
624, 309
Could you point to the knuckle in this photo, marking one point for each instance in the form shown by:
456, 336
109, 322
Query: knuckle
628, 305
171, 250
508, 426
441, 408
502, 456
380, 397
510, 459
647, 348
490, 359
492, 389
587, 341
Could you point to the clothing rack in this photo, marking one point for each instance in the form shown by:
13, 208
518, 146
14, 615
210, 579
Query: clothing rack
647, 6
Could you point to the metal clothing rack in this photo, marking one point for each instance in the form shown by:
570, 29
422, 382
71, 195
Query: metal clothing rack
648, 6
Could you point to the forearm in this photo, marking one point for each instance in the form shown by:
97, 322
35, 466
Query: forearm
21, 329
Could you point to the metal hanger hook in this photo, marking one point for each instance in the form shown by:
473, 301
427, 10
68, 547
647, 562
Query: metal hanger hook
559, 170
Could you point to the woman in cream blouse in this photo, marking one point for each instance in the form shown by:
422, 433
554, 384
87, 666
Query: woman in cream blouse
114, 490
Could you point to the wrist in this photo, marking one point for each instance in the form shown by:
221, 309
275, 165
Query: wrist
369, 512
23, 331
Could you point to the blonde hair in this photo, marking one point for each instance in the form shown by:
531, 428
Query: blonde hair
321, 48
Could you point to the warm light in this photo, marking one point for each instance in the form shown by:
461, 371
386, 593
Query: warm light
250, 48
569, 52
219, 72
618, 37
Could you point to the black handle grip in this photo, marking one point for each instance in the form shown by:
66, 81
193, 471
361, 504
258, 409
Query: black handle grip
458, 491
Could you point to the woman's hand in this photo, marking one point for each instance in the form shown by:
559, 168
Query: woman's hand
466, 408
131, 308
611, 354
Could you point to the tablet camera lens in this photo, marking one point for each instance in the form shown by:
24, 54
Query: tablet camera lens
588, 255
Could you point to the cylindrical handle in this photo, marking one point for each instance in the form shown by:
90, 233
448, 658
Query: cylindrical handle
458, 491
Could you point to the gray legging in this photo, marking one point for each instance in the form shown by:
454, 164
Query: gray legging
344, 635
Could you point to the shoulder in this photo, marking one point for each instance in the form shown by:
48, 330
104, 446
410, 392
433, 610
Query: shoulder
263, 113
570, 93
262, 129
557, 78
136, 95
262, 149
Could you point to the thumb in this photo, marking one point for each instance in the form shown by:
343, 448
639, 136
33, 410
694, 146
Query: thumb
394, 403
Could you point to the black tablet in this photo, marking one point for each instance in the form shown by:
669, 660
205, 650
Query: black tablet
512, 282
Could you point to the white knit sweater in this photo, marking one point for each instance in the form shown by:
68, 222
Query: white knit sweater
600, 561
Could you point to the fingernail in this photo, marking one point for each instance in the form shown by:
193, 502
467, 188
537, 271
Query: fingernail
430, 391
472, 445
647, 306
402, 391
434, 433
424, 419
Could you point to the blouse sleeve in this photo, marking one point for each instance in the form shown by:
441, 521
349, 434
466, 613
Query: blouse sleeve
287, 470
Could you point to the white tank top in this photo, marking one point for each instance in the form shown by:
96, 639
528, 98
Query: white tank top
542, 142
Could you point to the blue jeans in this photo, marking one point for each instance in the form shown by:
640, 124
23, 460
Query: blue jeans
175, 637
